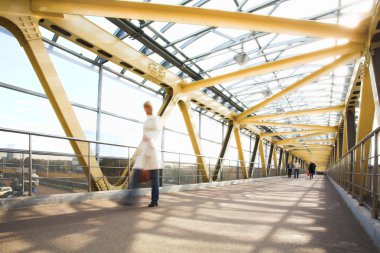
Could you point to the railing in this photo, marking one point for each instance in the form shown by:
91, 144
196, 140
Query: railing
358, 172
31, 170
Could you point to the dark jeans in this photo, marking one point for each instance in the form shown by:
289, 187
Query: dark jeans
155, 184
289, 173
296, 173
312, 174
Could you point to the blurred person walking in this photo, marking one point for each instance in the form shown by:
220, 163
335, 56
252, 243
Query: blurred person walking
289, 168
297, 168
312, 167
148, 162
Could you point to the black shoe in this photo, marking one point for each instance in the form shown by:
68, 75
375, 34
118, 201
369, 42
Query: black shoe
153, 205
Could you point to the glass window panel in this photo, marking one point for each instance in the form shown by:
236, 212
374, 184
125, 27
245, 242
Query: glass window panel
172, 139
87, 120
301, 8
120, 131
27, 112
181, 30
202, 45
246, 141
15, 67
211, 149
175, 121
231, 154
211, 129
220, 5
121, 97
79, 78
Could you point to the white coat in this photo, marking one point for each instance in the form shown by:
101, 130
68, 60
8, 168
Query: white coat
149, 157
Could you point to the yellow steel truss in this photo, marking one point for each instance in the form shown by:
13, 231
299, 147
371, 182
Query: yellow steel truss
197, 16
23, 17
194, 137
243, 168
306, 80
338, 108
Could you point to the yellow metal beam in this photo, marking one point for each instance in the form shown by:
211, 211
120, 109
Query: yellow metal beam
16, 17
93, 38
312, 147
308, 146
264, 135
262, 158
284, 161
197, 16
314, 153
338, 108
239, 146
365, 124
298, 139
273, 66
30, 38
282, 124
310, 141
194, 137
317, 151
338, 137
345, 145
275, 163
306, 80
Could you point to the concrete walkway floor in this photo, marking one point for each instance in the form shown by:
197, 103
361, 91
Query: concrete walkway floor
280, 215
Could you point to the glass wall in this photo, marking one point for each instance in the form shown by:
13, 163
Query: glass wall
108, 106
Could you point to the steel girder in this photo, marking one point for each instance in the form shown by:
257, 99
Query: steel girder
365, 124
283, 124
30, 39
239, 146
262, 158
269, 161
197, 16
301, 138
88, 35
275, 161
280, 161
223, 150
274, 66
194, 137
338, 108
264, 135
306, 80
153, 45
253, 156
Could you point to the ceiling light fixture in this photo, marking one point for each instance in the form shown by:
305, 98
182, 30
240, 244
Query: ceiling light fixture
242, 57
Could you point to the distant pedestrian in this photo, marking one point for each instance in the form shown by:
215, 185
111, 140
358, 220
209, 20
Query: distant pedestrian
297, 168
289, 168
148, 160
312, 167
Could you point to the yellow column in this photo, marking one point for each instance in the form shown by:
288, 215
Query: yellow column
262, 158
365, 124
194, 137
275, 164
240, 151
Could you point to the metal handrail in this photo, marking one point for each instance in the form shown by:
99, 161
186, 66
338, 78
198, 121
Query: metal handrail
232, 166
365, 139
355, 174
8, 130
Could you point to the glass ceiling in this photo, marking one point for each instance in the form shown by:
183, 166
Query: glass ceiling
210, 51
